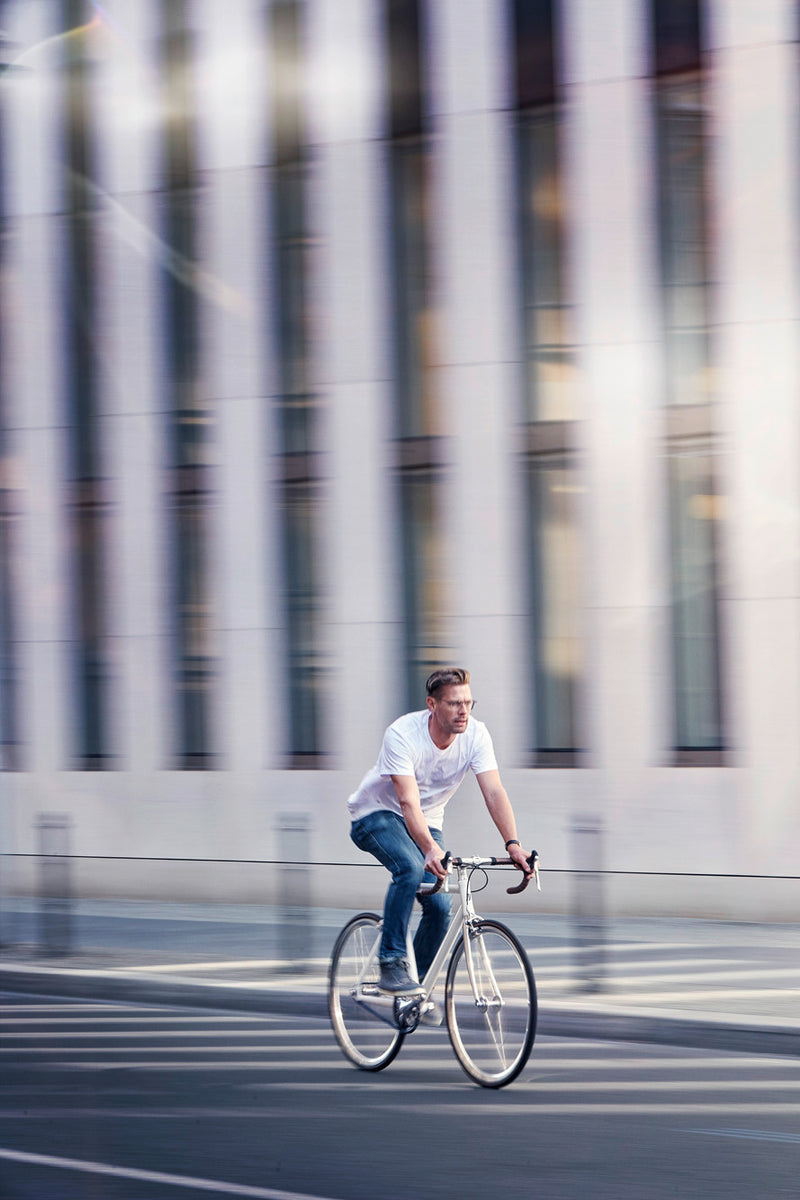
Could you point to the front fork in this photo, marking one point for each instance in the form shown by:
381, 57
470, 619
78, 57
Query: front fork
474, 958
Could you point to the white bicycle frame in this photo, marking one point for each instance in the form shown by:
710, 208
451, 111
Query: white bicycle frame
464, 919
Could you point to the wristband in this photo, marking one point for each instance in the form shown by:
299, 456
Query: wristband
511, 842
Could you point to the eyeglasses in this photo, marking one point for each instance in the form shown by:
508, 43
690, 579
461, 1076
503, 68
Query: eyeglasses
467, 704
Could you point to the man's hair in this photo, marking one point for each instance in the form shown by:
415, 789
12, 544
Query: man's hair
444, 677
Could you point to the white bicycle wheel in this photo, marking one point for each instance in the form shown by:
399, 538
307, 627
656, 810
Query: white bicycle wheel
362, 1018
491, 1012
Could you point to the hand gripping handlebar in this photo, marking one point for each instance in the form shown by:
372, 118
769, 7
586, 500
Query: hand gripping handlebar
533, 863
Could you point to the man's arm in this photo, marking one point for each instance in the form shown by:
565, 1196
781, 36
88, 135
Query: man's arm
502, 814
408, 795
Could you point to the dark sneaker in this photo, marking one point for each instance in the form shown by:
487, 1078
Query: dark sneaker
430, 1013
396, 979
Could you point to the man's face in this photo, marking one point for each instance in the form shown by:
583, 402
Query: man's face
451, 707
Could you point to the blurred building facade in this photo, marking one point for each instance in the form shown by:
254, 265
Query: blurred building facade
341, 339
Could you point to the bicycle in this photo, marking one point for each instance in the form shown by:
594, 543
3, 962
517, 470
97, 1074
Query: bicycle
490, 992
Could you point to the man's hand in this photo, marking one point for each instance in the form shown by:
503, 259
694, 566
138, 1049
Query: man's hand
520, 858
433, 863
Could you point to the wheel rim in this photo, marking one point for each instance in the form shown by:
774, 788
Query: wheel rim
364, 1028
492, 1039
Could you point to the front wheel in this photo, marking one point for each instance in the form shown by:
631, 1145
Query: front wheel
362, 1018
490, 1004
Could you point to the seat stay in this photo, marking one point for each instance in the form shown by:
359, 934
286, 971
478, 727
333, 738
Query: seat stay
369, 962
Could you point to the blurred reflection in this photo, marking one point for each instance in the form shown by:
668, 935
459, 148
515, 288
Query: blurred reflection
693, 512
549, 338
10, 749
87, 511
550, 391
191, 417
686, 254
298, 403
684, 236
419, 449
558, 655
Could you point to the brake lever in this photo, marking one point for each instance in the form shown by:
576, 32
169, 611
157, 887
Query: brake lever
533, 862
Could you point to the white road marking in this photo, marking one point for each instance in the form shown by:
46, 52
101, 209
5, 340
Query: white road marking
251, 1064
241, 964
178, 1114
68, 1007
690, 976
423, 1066
630, 1110
184, 1181
438, 1056
757, 1135
612, 968
101, 1034
688, 995
746, 1062
130, 1020
542, 1086
256, 1047
533, 951
616, 947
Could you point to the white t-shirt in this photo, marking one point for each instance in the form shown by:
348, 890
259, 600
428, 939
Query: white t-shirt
408, 749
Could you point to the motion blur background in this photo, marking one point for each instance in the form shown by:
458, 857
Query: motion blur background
341, 339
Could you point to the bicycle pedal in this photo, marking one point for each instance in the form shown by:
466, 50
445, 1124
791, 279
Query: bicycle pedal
406, 1012
430, 1013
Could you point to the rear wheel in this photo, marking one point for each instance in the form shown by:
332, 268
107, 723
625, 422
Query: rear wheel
491, 1011
361, 1016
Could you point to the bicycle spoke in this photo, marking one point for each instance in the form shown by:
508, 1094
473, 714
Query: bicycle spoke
491, 1005
363, 1024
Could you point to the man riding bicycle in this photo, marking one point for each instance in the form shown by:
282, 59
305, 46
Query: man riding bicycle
398, 808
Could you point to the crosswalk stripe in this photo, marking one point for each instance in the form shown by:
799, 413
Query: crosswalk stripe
503, 1111
102, 1034
758, 1135
186, 1019
645, 964
185, 1181
690, 994
256, 1047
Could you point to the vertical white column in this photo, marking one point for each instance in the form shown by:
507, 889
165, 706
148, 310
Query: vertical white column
755, 100
34, 364
130, 255
347, 67
609, 155
230, 69
473, 244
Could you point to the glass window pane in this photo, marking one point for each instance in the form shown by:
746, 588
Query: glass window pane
685, 254
548, 336
297, 401
694, 512
191, 428
423, 583
414, 319
86, 510
416, 408
303, 618
558, 656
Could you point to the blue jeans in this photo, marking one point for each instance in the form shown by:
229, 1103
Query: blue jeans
384, 834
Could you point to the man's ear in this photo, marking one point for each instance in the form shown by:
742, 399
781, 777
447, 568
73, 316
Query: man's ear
430, 702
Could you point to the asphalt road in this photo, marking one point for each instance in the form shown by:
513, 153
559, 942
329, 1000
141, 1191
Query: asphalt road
123, 1102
